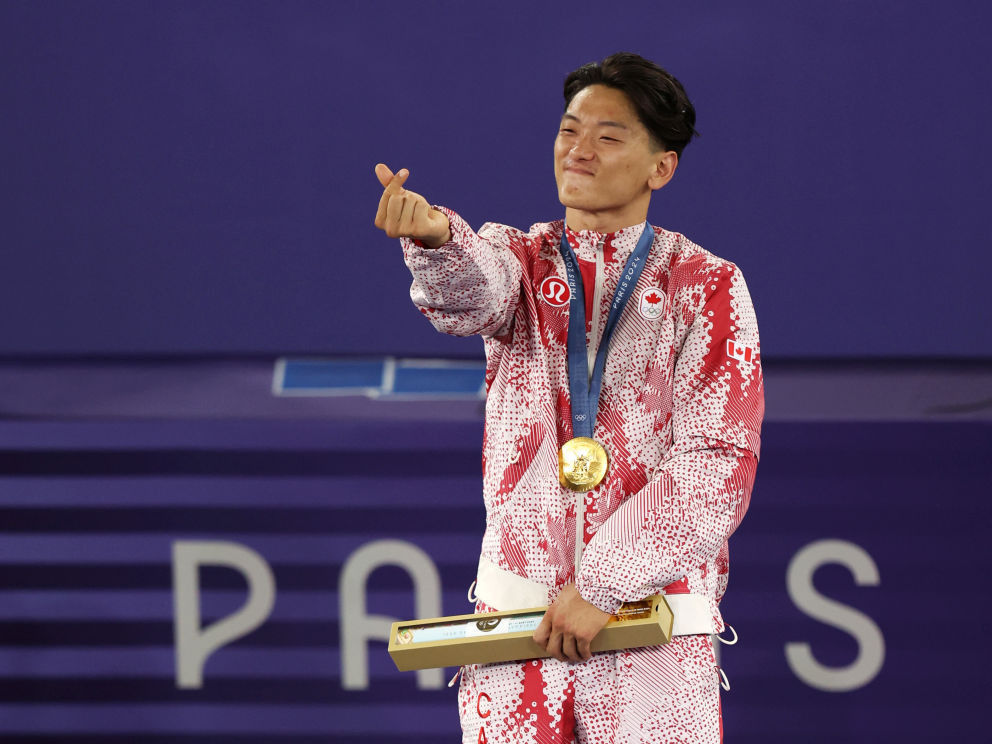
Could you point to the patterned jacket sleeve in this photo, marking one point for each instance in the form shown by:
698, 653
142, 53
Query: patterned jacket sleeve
469, 285
678, 524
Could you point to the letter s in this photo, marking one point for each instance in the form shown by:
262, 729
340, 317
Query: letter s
871, 644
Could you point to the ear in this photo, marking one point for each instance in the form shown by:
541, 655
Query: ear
665, 163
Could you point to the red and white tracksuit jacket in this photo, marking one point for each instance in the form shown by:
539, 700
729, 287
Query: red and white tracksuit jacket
680, 416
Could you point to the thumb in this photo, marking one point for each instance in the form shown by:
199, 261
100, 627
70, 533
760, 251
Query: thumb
543, 632
383, 173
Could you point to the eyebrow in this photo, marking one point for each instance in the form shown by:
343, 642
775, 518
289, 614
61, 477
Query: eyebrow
572, 117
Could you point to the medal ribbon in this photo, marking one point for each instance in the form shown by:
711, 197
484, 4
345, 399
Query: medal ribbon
583, 389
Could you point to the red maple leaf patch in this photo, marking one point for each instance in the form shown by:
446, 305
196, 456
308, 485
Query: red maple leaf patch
653, 298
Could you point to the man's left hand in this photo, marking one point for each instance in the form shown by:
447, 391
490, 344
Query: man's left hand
569, 625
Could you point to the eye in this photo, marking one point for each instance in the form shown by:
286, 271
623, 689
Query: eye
609, 139
566, 130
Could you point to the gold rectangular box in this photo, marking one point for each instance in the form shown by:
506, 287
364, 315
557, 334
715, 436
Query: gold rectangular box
490, 637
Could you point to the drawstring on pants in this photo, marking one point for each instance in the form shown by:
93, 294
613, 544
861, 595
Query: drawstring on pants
723, 640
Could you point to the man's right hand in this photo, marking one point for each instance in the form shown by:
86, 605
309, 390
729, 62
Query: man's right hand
405, 214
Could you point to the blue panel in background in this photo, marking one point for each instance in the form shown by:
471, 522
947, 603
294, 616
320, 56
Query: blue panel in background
331, 375
451, 378
436, 378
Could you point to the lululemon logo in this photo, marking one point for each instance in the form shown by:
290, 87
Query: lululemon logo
555, 291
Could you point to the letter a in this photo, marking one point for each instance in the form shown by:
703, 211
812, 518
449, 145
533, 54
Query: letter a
358, 627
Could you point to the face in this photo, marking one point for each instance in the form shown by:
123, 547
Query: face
604, 160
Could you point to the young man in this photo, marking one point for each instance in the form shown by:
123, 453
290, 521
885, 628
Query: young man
623, 419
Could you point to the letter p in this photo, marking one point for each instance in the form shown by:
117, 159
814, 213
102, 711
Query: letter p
194, 644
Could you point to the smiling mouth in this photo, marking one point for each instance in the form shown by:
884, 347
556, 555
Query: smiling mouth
579, 171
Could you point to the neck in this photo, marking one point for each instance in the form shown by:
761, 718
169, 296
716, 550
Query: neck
606, 221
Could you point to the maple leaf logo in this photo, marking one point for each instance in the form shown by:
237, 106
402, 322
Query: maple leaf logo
651, 304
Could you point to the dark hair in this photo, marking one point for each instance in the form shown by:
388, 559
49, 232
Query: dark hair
658, 98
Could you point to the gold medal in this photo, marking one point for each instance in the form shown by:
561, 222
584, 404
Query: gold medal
582, 464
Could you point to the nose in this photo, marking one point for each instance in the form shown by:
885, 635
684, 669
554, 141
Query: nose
582, 148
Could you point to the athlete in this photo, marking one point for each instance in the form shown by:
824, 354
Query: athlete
623, 419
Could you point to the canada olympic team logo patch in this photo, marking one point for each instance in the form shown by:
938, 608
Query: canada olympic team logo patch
555, 291
651, 303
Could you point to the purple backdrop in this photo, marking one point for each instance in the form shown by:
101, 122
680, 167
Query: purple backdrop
197, 177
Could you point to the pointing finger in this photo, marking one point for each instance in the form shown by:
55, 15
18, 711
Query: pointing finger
396, 185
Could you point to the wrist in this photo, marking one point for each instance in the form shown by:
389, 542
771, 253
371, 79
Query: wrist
443, 235
599, 597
